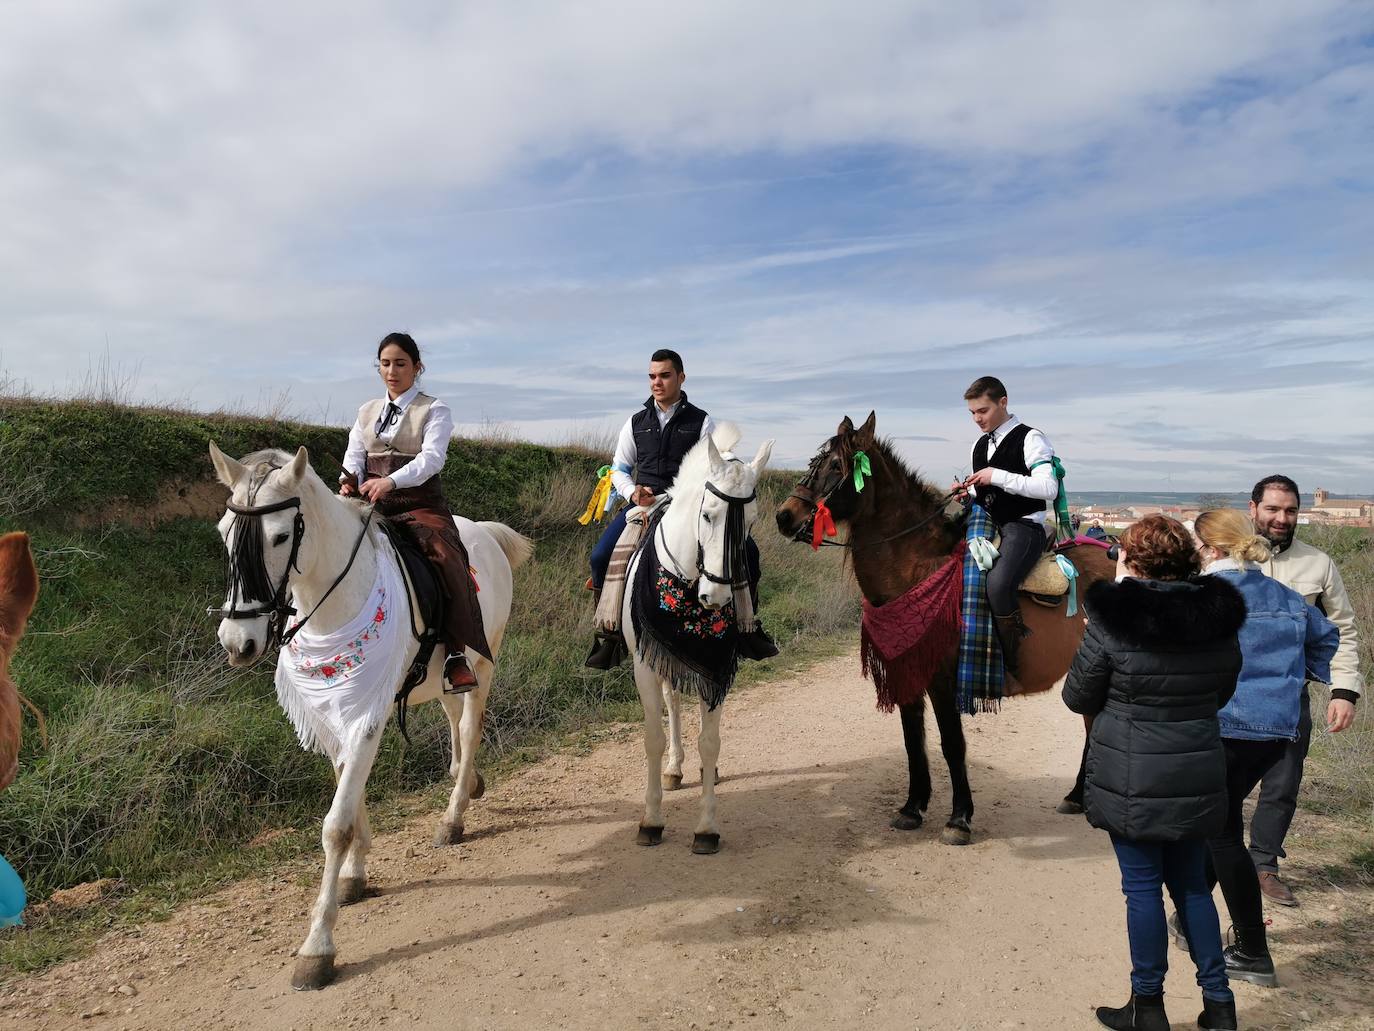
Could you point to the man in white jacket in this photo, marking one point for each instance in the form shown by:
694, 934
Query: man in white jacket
1311, 572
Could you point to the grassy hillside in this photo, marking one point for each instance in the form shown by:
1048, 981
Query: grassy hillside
162, 761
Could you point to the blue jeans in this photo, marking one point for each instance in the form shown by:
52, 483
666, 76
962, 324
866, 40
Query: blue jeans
1182, 867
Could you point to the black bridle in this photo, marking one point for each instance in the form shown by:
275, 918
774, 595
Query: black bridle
736, 533
248, 574
814, 497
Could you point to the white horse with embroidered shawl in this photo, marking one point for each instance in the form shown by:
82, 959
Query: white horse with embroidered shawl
698, 545
293, 542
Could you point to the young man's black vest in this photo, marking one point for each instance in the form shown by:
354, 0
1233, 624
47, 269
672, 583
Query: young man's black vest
1010, 456
659, 451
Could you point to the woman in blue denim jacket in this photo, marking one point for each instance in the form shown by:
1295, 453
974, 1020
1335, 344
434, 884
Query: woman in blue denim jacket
1284, 642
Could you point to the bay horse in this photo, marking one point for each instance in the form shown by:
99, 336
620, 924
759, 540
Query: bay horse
699, 540
290, 537
18, 592
899, 534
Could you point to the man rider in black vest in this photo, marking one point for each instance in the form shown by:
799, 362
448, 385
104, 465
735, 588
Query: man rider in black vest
652, 444
1013, 481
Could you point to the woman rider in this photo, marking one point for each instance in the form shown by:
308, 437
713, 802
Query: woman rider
396, 449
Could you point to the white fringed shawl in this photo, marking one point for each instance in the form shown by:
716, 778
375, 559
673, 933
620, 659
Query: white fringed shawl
337, 688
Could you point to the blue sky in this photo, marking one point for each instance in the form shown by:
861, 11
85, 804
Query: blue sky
1153, 221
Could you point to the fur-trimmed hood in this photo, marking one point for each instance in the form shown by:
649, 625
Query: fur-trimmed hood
1154, 612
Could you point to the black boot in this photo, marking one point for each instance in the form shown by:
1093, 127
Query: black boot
756, 644
608, 651
1217, 1016
1142, 1013
1249, 960
1010, 630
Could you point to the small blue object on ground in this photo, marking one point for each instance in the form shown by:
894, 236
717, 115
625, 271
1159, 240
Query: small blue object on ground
12, 897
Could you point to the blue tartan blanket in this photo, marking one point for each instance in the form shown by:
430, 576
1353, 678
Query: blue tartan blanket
980, 671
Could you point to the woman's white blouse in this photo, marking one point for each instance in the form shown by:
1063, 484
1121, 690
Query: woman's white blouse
433, 452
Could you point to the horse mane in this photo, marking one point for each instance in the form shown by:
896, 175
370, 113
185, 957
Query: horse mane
928, 493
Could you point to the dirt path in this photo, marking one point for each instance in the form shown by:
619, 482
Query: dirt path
813, 915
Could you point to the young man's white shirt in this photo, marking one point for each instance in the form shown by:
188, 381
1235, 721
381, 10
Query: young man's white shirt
433, 451
1041, 483
627, 455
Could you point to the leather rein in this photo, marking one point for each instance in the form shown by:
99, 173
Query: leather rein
814, 500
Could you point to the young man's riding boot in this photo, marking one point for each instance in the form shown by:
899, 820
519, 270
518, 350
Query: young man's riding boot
1142, 1013
1217, 1016
1249, 960
608, 651
1010, 630
756, 644
460, 678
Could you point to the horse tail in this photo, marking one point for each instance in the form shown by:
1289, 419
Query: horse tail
517, 547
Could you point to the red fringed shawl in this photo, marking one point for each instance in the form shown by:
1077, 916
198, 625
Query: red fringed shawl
903, 642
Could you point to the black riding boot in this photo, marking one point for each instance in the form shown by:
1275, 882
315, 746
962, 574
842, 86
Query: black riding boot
756, 644
1249, 960
1142, 1013
1217, 1016
1010, 630
609, 649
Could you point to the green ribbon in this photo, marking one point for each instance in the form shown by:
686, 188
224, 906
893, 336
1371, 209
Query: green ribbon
1063, 523
862, 469
602, 472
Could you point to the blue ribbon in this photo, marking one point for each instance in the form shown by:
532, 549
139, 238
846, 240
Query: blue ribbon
12, 897
1071, 574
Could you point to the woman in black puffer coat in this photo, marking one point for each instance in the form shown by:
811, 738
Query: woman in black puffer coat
1158, 660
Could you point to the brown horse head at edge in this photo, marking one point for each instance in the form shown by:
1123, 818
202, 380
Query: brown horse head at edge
18, 592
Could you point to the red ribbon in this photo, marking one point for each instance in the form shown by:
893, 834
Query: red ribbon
822, 524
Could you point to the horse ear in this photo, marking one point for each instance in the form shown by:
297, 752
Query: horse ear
18, 585
713, 455
228, 470
846, 427
864, 436
761, 459
299, 464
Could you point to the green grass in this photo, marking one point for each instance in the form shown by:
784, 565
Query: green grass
163, 762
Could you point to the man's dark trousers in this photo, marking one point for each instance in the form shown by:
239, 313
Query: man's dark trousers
1023, 542
1278, 798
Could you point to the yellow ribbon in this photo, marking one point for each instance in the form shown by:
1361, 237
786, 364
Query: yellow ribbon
600, 502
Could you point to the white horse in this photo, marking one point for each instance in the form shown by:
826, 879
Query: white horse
690, 542
300, 515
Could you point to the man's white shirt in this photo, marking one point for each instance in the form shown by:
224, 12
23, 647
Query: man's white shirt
627, 455
1041, 483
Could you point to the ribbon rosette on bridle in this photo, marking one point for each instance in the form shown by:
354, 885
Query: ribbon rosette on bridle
822, 524
600, 502
862, 470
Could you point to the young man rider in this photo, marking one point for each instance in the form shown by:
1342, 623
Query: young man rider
650, 449
1014, 482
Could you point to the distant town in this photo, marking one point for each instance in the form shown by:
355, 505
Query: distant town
1324, 509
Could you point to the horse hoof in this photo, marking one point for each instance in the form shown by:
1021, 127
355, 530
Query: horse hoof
649, 836
1069, 807
906, 822
672, 781
448, 834
479, 788
956, 836
312, 973
351, 890
705, 844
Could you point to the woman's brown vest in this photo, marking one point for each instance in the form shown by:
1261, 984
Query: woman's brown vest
424, 512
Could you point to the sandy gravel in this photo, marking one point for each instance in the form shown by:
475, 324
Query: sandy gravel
813, 915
